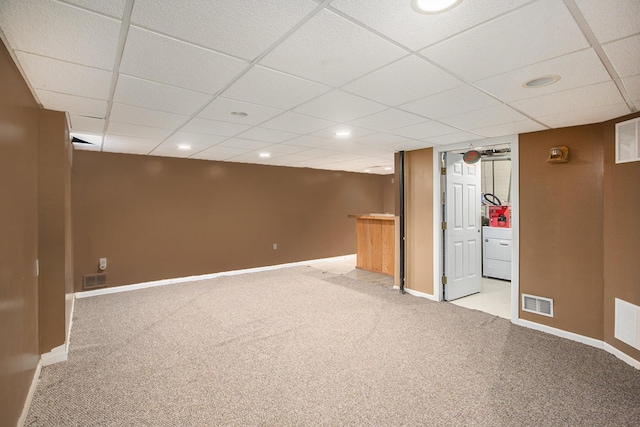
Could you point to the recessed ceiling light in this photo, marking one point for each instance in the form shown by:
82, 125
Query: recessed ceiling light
184, 147
541, 81
367, 170
265, 155
388, 168
238, 114
342, 133
433, 6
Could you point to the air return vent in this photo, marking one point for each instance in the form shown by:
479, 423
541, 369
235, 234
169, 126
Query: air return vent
538, 305
93, 281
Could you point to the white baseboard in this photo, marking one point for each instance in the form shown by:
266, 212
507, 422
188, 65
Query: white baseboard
622, 356
561, 333
32, 390
417, 293
56, 355
134, 287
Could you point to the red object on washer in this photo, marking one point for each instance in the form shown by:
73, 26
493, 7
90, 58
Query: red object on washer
500, 216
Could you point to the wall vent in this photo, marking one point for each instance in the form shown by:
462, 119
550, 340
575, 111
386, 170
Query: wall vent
93, 281
627, 323
538, 305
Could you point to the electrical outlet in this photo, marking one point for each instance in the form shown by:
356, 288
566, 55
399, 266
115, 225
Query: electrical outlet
275, 246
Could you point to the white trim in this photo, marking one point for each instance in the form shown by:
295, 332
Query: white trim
126, 288
562, 333
418, 293
515, 229
73, 307
622, 356
57, 354
29, 399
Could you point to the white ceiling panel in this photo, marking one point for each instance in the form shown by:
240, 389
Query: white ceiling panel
244, 144
309, 141
378, 139
87, 147
453, 138
320, 154
354, 132
496, 115
65, 77
425, 130
219, 153
60, 31
286, 149
127, 144
157, 96
145, 117
86, 124
273, 88
195, 139
522, 126
625, 55
331, 50
585, 116
113, 8
598, 95
74, 105
128, 129
388, 119
403, 81
537, 32
221, 108
214, 127
340, 107
610, 20
576, 69
240, 28
190, 67
396, 18
298, 123
632, 84
267, 135
410, 144
170, 149
454, 101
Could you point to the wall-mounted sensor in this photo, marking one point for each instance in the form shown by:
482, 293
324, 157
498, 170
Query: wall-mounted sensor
103, 264
559, 155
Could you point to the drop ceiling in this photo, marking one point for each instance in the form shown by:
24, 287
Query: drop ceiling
142, 77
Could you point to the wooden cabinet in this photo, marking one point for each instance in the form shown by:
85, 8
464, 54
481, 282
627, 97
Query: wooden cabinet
375, 245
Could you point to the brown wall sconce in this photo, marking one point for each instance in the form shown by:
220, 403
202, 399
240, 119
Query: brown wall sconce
559, 155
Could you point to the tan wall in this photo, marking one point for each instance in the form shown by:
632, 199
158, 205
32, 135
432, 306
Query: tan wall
56, 274
561, 234
621, 235
19, 243
156, 218
388, 194
419, 220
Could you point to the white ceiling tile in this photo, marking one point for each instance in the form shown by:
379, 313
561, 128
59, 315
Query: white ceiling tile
585, 116
354, 132
575, 69
65, 77
597, 95
632, 84
388, 119
266, 135
91, 138
376, 151
289, 160
60, 31
86, 124
410, 145
145, 117
396, 18
496, 115
539, 31
403, 81
298, 123
244, 144
196, 140
378, 139
273, 88
221, 108
287, 149
191, 67
512, 128
87, 147
611, 20
128, 129
625, 55
74, 105
453, 138
170, 149
424, 130
454, 101
127, 144
214, 127
331, 50
113, 8
340, 107
319, 153
219, 153
309, 141
240, 28
157, 96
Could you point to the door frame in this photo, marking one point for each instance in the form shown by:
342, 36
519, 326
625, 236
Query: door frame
438, 249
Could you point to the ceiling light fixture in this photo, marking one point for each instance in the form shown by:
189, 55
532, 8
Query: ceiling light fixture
388, 168
184, 147
367, 170
265, 155
238, 114
433, 6
541, 81
342, 133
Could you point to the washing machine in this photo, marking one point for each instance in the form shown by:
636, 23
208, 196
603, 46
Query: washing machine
496, 252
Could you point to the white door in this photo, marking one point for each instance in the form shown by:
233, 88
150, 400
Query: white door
462, 264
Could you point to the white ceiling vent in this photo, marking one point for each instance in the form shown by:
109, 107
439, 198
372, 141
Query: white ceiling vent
538, 305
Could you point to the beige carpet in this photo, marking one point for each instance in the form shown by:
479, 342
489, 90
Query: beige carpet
303, 347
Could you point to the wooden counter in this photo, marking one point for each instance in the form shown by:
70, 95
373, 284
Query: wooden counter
375, 242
